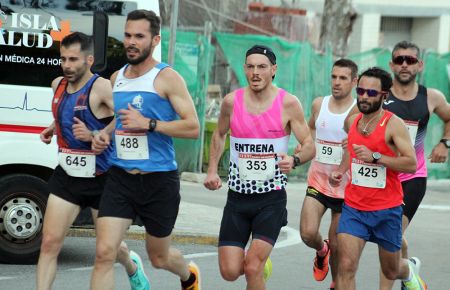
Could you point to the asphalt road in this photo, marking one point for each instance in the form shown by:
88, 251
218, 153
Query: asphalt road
292, 260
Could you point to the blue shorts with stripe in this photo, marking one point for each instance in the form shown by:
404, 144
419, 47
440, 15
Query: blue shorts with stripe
383, 227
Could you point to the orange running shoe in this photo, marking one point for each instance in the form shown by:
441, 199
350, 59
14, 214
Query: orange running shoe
194, 269
320, 268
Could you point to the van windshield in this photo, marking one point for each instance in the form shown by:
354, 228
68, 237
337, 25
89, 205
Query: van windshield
31, 31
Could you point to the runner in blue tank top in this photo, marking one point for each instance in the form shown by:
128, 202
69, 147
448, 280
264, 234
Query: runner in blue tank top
81, 106
151, 105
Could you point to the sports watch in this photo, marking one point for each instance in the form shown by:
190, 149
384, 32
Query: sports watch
446, 142
296, 161
376, 156
152, 125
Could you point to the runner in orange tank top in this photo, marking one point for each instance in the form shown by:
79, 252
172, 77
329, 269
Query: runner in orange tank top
378, 148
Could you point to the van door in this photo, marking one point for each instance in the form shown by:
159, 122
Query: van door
30, 35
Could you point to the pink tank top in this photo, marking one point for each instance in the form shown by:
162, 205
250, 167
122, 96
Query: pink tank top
254, 141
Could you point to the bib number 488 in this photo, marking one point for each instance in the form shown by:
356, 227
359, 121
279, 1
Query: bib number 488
129, 143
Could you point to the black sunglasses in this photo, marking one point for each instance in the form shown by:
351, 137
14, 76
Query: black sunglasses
402, 58
370, 92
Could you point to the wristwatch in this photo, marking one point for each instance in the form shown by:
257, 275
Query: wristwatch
94, 133
446, 142
376, 156
296, 161
152, 125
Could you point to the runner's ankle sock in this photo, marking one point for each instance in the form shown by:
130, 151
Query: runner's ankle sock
410, 276
189, 281
324, 250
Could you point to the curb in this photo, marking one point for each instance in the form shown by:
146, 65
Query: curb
181, 238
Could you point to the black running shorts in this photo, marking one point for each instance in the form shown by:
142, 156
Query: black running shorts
413, 193
154, 197
335, 204
84, 192
260, 215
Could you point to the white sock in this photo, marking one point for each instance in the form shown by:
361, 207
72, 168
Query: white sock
411, 273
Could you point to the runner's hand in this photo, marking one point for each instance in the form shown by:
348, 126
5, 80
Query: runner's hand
47, 134
286, 163
132, 118
439, 154
212, 181
80, 131
335, 178
100, 142
363, 153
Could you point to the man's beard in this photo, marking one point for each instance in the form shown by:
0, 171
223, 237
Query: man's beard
373, 107
145, 53
412, 78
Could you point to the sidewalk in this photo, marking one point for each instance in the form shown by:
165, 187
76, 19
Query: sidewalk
188, 229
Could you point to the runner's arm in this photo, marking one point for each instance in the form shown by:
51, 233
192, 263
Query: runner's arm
439, 154
300, 128
406, 160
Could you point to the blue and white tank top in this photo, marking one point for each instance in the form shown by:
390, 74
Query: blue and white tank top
141, 94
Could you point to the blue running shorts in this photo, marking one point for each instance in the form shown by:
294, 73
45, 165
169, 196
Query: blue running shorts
383, 227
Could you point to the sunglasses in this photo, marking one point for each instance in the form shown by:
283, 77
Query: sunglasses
370, 92
402, 58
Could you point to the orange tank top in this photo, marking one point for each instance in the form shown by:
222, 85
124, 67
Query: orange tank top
372, 186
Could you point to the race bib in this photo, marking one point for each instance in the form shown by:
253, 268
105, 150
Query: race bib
412, 130
132, 145
77, 163
368, 174
328, 152
256, 166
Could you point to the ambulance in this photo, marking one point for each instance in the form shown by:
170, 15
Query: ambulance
30, 35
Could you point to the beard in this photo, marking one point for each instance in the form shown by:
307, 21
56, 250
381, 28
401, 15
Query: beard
410, 79
143, 56
372, 107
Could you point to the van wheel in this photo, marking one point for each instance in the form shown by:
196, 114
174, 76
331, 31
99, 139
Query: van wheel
22, 206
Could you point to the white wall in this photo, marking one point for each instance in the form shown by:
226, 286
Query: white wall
432, 33
366, 33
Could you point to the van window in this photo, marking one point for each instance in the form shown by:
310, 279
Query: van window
31, 31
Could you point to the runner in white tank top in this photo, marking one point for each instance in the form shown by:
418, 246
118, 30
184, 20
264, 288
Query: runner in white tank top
261, 118
327, 121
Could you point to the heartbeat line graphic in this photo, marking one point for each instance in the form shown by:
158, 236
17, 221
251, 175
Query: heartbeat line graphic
25, 106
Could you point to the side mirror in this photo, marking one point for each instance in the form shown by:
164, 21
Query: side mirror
100, 35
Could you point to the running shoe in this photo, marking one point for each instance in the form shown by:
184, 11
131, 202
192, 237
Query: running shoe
138, 280
320, 268
416, 283
267, 269
194, 269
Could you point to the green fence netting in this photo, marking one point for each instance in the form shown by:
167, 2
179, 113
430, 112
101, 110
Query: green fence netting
301, 71
193, 60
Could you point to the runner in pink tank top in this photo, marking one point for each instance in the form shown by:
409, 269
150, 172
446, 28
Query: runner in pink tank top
261, 118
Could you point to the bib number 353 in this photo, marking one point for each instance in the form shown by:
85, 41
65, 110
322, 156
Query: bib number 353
256, 166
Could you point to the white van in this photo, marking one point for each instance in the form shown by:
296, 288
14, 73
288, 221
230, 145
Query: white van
30, 35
